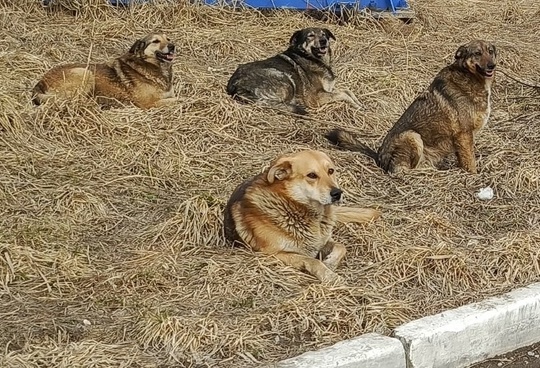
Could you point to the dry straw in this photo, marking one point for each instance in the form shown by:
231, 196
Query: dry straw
114, 216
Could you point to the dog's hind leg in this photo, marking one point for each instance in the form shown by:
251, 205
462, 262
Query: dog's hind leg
281, 94
279, 100
311, 265
406, 152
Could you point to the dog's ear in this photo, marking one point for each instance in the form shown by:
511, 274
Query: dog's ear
281, 170
329, 34
137, 47
294, 38
461, 53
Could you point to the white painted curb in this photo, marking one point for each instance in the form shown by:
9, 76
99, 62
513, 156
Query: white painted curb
475, 332
453, 339
366, 351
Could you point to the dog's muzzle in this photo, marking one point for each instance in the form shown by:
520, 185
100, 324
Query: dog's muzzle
168, 56
488, 71
322, 49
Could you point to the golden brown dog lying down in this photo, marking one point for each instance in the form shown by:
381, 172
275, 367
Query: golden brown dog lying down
441, 121
288, 211
142, 76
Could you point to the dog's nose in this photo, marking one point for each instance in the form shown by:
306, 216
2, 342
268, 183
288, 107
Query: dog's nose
335, 194
170, 47
491, 66
323, 42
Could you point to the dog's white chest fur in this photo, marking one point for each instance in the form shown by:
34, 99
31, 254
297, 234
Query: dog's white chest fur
488, 109
483, 110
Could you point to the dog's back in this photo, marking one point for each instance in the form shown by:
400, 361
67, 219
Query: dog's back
272, 81
229, 223
64, 80
92, 80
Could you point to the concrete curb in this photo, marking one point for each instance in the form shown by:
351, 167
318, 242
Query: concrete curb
370, 350
453, 339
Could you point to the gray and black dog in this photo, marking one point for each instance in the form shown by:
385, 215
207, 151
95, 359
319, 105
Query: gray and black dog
301, 77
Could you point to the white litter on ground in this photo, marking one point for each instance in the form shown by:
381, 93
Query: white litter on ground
485, 193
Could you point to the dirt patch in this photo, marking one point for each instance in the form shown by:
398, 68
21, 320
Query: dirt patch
114, 216
528, 356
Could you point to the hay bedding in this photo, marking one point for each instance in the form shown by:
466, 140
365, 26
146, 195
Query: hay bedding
114, 216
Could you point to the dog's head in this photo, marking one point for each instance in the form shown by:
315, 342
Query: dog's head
312, 41
307, 177
154, 46
479, 57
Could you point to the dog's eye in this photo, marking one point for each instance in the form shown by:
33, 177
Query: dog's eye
490, 51
311, 35
330, 171
478, 53
155, 41
312, 175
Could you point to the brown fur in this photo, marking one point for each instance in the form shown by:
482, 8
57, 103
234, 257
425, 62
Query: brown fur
142, 76
441, 121
289, 211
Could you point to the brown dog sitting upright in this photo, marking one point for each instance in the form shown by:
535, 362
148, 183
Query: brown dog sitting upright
143, 76
442, 120
288, 211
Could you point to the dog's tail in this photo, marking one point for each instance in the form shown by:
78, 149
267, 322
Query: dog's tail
346, 140
355, 214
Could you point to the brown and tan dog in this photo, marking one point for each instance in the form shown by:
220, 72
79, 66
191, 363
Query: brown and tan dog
289, 211
297, 78
143, 76
441, 121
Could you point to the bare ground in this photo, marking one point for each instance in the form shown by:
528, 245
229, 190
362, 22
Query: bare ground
526, 357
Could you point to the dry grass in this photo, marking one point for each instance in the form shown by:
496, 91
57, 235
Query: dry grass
114, 216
